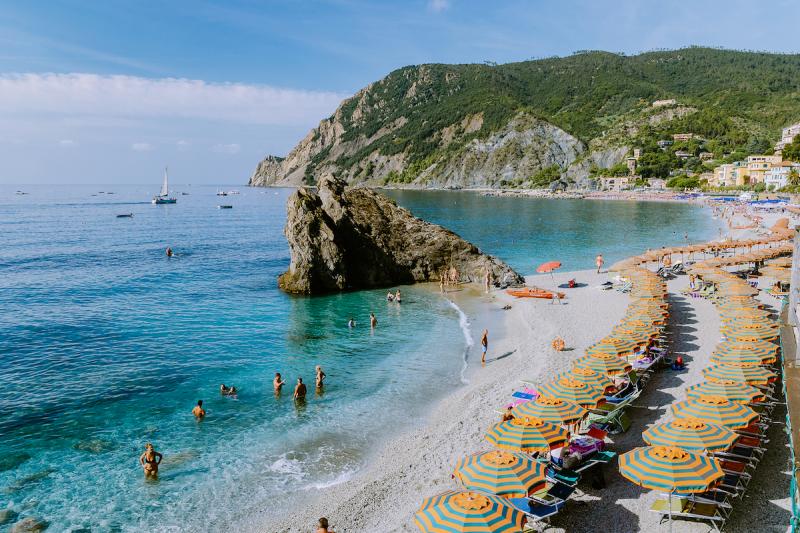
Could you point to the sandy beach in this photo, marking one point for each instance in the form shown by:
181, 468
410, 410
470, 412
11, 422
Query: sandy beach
413, 465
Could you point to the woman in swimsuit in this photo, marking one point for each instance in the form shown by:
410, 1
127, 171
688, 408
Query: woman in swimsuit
150, 460
320, 377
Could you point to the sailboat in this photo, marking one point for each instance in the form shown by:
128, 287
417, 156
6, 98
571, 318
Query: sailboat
163, 196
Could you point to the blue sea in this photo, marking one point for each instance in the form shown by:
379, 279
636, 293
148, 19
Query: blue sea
106, 344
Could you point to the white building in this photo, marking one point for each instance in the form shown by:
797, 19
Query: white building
787, 135
778, 175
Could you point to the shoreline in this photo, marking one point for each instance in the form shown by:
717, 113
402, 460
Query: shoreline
415, 463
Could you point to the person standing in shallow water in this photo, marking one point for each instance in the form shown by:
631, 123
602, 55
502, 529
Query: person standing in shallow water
150, 460
484, 345
300, 390
198, 410
372, 320
599, 262
320, 378
278, 383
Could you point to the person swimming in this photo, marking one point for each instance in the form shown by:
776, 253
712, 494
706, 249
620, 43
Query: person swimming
300, 390
372, 320
351, 323
389, 296
150, 460
198, 410
397, 297
320, 377
278, 382
227, 391
169, 252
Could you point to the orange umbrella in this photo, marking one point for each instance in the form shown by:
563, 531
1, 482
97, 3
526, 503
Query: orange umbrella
548, 267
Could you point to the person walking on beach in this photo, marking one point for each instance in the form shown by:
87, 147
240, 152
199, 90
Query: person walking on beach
150, 460
320, 377
484, 345
198, 410
372, 320
300, 390
599, 262
278, 383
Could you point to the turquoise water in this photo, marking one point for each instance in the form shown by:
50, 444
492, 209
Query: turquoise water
106, 344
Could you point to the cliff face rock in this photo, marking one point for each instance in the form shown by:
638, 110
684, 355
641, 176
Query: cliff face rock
354, 238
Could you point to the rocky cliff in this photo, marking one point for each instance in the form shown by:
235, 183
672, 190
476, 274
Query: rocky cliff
354, 238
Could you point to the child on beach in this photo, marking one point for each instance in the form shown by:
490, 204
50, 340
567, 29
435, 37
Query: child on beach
484, 345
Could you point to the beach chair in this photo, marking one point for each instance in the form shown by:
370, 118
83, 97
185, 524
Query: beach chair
685, 509
556, 493
535, 511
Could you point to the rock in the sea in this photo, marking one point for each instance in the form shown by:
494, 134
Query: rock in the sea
7, 515
29, 525
346, 239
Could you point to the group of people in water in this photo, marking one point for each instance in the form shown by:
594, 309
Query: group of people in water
300, 389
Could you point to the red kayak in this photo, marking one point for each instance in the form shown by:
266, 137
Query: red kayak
534, 292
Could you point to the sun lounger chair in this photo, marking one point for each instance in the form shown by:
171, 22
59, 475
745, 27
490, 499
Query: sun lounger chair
715, 497
538, 512
556, 494
685, 509
562, 475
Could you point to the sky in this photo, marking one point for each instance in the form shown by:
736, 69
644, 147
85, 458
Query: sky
112, 91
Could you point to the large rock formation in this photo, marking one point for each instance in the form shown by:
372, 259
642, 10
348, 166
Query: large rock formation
345, 239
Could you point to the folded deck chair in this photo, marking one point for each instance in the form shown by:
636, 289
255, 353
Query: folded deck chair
684, 509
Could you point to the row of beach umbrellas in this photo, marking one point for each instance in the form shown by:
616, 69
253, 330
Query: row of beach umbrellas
492, 478
679, 457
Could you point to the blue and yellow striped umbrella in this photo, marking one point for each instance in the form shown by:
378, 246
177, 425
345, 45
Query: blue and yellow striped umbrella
604, 347
670, 469
715, 410
607, 364
741, 359
465, 511
750, 317
764, 349
750, 325
507, 474
550, 409
752, 375
751, 335
579, 392
733, 391
691, 434
587, 375
527, 434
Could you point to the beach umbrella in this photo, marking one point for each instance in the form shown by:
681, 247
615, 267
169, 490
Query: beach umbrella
748, 335
741, 359
507, 474
553, 410
670, 469
690, 434
750, 326
549, 267
610, 365
575, 391
626, 344
606, 347
463, 511
740, 319
587, 375
527, 434
757, 348
715, 410
752, 375
733, 391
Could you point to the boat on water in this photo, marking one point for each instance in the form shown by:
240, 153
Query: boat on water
225, 206
233, 191
125, 215
163, 197
222, 193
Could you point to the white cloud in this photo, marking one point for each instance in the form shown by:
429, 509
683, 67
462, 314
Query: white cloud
66, 143
232, 148
141, 147
183, 145
129, 97
437, 6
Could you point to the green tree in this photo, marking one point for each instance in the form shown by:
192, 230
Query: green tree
791, 152
546, 176
793, 179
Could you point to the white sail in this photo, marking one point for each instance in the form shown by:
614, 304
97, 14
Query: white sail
165, 186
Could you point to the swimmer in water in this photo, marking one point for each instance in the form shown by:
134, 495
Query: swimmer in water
278, 382
397, 296
227, 391
150, 460
389, 296
351, 323
198, 410
300, 390
372, 320
320, 377
169, 252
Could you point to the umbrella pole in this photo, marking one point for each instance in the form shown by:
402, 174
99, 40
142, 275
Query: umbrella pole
669, 509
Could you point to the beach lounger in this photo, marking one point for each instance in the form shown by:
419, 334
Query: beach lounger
555, 494
685, 509
538, 512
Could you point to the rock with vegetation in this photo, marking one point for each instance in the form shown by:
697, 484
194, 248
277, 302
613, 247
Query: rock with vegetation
355, 238
500, 125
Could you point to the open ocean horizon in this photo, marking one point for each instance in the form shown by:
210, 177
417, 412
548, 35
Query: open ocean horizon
106, 344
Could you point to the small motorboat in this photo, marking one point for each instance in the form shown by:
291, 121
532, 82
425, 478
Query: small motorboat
535, 292
222, 193
226, 206
125, 215
184, 194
